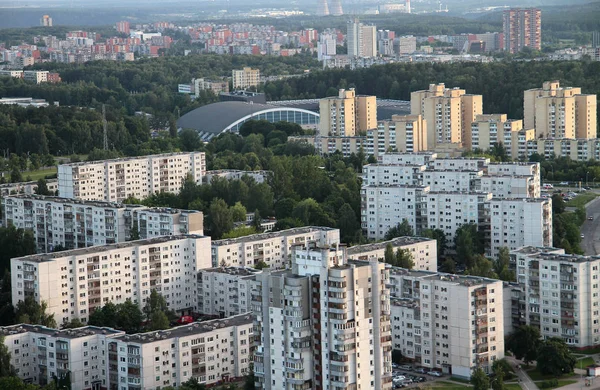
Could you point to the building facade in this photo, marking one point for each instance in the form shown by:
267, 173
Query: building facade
347, 115
423, 251
491, 130
274, 248
522, 28
447, 322
70, 223
75, 283
403, 133
139, 177
225, 291
245, 78
362, 39
323, 325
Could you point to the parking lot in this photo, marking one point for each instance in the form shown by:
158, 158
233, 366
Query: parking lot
407, 376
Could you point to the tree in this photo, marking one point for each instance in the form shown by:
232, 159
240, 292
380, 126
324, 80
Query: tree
397, 356
220, 218
261, 265
192, 384
249, 383
348, 223
524, 343
238, 212
388, 254
502, 264
134, 232
172, 128
157, 321
404, 259
15, 243
468, 242
15, 383
189, 140
401, 230
240, 231
482, 267
555, 357
157, 311
480, 380
15, 175
29, 311
73, 324
440, 237
6, 369
558, 204
257, 222
449, 266
42, 188
7, 311
501, 365
498, 381
129, 317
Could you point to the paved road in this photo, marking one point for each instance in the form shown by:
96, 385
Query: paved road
526, 382
591, 229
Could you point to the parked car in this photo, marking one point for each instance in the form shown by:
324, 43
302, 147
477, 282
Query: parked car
421, 379
564, 183
420, 370
590, 218
405, 367
582, 235
435, 373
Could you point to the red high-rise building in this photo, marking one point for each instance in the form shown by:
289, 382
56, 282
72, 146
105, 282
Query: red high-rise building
123, 27
522, 28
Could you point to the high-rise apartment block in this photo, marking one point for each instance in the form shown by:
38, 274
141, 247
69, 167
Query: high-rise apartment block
225, 291
447, 322
327, 46
423, 251
74, 283
123, 27
361, 39
46, 21
407, 45
557, 112
522, 28
323, 325
347, 114
558, 293
245, 78
515, 223
274, 248
403, 133
116, 180
489, 130
449, 114
71, 223
105, 358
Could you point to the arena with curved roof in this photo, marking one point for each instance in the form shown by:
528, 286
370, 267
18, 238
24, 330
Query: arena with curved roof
216, 118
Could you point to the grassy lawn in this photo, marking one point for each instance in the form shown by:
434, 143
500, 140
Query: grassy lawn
462, 380
591, 351
535, 375
562, 383
583, 363
512, 386
39, 174
449, 386
582, 199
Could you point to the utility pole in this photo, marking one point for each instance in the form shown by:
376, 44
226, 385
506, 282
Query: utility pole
105, 126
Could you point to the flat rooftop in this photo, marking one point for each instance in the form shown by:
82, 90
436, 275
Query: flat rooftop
270, 235
43, 257
240, 271
464, 280
164, 155
26, 183
563, 257
527, 250
195, 328
399, 241
522, 200
64, 333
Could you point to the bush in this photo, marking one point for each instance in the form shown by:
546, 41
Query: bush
552, 383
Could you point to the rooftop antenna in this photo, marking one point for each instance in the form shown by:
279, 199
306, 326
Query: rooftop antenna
105, 126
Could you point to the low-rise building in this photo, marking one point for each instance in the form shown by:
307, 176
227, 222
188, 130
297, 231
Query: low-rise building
235, 174
71, 223
74, 283
448, 322
225, 291
274, 248
423, 251
27, 187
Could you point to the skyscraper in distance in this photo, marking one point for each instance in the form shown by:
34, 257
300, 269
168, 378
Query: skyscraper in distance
522, 28
322, 8
336, 7
46, 21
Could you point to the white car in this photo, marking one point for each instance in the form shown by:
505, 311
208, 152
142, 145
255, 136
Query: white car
564, 183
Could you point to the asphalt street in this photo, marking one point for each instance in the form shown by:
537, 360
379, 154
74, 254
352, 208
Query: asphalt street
591, 229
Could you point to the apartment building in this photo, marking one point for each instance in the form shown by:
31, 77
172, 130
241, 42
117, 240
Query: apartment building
323, 325
27, 187
105, 358
522, 28
38, 354
393, 174
140, 177
516, 223
510, 186
72, 223
403, 133
452, 180
37, 76
448, 322
407, 45
225, 291
235, 174
211, 351
347, 114
416, 158
448, 113
559, 112
362, 39
245, 78
74, 283
423, 251
489, 130
273, 248
575, 149
558, 294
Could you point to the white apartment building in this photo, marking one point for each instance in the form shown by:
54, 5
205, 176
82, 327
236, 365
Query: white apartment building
105, 358
28, 187
38, 354
234, 174
225, 291
460, 163
449, 210
37, 76
393, 174
211, 351
386, 206
559, 294
423, 251
516, 223
140, 177
420, 158
73, 223
452, 180
323, 325
511, 186
245, 78
273, 248
74, 283
448, 322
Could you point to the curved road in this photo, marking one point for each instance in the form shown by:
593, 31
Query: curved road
591, 229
